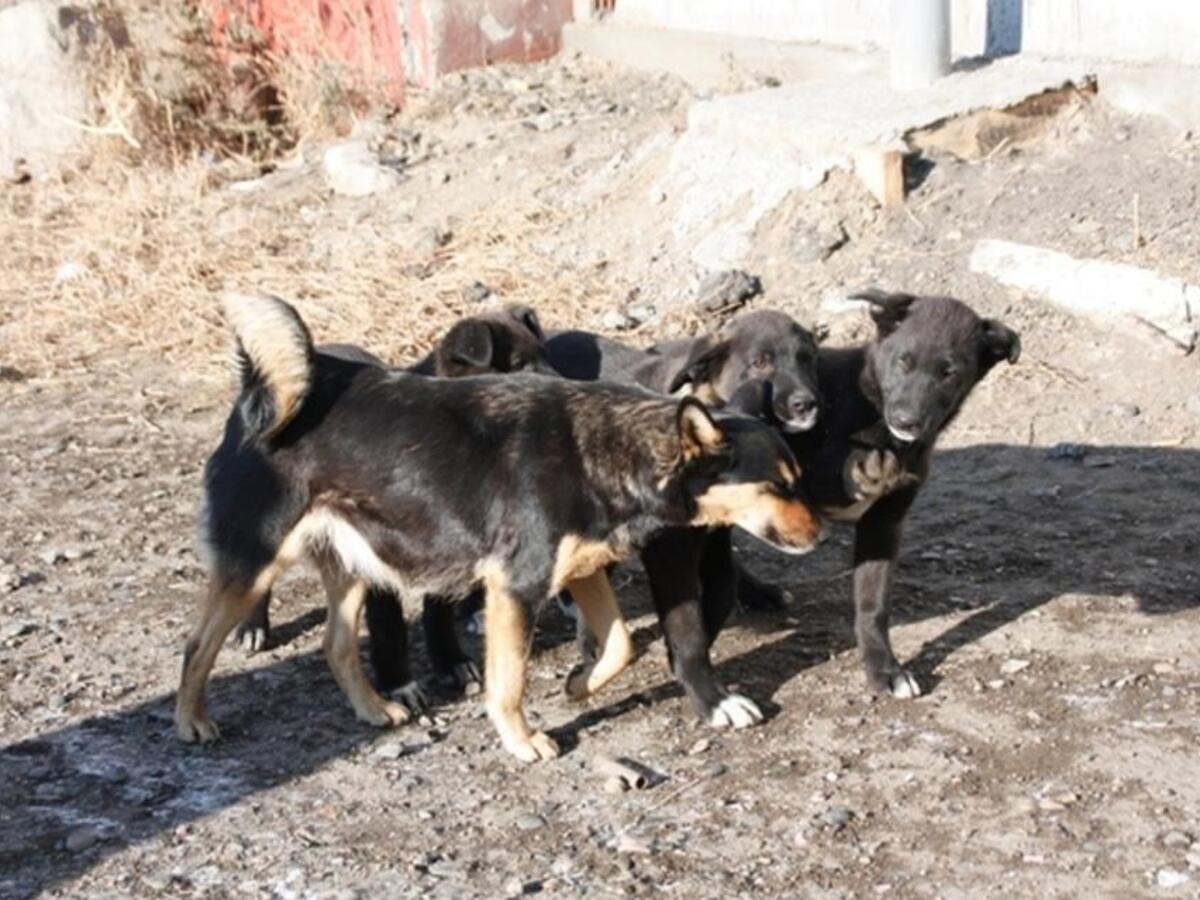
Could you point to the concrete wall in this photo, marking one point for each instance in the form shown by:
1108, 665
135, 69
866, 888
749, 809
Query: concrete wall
1125, 30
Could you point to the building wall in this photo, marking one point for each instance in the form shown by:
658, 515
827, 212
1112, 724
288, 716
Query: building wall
1124, 30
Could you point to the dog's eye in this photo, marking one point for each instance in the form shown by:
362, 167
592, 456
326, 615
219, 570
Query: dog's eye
948, 372
907, 363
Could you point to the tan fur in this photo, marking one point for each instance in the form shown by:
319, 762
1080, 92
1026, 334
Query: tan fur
345, 595
278, 345
756, 509
506, 658
698, 433
577, 557
787, 473
594, 597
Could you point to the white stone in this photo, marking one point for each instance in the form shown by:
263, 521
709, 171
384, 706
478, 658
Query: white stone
352, 170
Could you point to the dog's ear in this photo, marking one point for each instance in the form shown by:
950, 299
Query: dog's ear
526, 316
998, 342
699, 434
468, 344
887, 309
703, 364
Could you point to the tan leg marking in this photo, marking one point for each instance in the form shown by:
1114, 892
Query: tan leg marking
223, 609
506, 660
596, 601
345, 595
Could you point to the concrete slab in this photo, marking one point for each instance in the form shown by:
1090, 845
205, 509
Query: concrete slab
1107, 293
1167, 92
742, 154
709, 60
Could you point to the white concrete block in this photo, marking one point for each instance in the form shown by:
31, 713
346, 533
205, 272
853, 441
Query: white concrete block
351, 169
1107, 293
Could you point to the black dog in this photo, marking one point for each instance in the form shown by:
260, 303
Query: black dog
885, 404
507, 340
522, 484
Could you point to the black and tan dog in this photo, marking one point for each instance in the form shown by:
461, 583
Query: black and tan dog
521, 484
885, 404
506, 340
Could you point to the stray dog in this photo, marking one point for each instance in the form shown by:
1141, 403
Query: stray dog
767, 353
885, 404
522, 484
507, 340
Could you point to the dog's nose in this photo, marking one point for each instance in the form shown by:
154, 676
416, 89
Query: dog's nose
801, 405
909, 421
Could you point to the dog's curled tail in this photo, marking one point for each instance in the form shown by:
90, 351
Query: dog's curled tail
274, 357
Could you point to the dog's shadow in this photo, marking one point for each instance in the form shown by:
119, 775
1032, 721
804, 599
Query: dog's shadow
999, 531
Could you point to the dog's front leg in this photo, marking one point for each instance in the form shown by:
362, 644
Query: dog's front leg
672, 562
876, 546
506, 658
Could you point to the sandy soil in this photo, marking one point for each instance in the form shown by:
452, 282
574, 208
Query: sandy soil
1051, 598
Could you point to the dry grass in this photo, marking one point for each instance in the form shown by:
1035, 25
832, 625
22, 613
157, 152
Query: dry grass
120, 264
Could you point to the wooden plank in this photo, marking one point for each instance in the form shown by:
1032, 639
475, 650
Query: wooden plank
882, 173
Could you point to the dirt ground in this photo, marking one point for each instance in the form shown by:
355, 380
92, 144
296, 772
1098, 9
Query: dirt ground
1049, 596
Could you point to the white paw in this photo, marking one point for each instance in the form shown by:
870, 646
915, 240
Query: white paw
905, 686
252, 638
735, 711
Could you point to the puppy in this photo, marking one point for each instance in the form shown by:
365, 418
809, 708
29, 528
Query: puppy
885, 404
506, 340
522, 484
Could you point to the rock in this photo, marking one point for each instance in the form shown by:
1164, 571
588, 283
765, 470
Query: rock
632, 843
699, 747
69, 271
1171, 878
52, 555
1125, 410
389, 750
530, 823
836, 302
727, 290
17, 629
1193, 859
812, 243
478, 293
836, 818
615, 320
1013, 666
10, 577
995, 684
11, 374
615, 785
1073, 452
83, 837
1176, 839
640, 313
352, 170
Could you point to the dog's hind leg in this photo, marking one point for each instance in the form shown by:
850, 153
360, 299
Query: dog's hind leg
594, 598
506, 660
225, 606
388, 632
346, 595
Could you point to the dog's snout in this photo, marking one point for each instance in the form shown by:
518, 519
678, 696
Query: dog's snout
802, 404
906, 419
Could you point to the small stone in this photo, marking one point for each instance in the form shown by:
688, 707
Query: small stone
836, 817
53, 555
17, 629
813, 243
615, 785
699, 747
1092, 847
1125, 410
1163, 668
389, 750
1171, 878
352, 170
1193, 859
69, 271
615, 320
1176, 839
631, 843
530, 823
996, 683
640, 313
478, 293
82, 838
1013, 666
727, 290
1066, 451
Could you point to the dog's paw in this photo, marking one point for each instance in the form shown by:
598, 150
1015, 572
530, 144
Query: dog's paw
468, 678
735, 711
904, 685
384, 714
874, 473
251, 637
576, 685
537, 746
413, 697
198, 729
